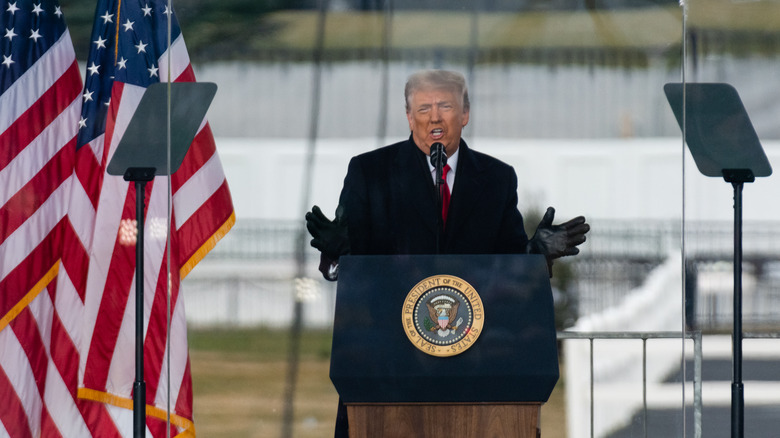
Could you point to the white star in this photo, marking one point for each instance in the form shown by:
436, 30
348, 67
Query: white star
152, 71
101, 43
147, 10
128, 25
37, 9
88, 96
58, 11
107, 18
167, 11
93, 69
82, 123
141, 46
108, 102
9, 33
122, 63
12, 8
34, 35
7, 61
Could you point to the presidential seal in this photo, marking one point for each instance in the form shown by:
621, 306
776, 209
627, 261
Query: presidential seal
443, 315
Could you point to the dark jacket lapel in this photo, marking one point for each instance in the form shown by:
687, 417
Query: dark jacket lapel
412, 188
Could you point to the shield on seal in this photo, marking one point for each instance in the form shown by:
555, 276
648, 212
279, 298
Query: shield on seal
443, 309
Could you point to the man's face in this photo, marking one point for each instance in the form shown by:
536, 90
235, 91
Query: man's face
436, 116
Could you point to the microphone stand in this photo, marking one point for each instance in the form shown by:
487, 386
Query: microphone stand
438, 160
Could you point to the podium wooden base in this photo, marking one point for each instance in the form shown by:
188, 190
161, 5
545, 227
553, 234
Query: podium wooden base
482, 420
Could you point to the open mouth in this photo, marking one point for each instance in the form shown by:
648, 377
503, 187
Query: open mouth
437, 133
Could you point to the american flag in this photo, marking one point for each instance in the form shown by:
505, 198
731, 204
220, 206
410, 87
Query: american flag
40, 87
129, 51
88, 327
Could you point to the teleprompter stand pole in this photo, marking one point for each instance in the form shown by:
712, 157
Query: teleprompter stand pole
139, 175
737, 178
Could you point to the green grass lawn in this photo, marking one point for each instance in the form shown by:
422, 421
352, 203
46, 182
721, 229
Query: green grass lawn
239, 383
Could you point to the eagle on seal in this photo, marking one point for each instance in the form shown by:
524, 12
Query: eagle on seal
443, 309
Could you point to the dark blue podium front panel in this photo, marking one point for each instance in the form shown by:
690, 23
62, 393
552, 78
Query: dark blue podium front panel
515, 358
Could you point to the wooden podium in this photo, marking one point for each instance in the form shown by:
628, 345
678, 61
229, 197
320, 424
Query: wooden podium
467, 420
493, 388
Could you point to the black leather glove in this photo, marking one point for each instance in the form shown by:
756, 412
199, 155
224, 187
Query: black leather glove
556, 241
330, 237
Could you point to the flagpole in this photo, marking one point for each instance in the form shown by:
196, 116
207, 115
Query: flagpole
168, 242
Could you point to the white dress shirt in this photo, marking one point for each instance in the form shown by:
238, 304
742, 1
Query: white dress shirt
453, 162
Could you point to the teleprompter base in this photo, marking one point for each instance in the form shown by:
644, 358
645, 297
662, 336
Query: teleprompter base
462, 420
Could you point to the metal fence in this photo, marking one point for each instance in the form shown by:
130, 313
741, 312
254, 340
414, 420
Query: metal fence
617, 258
693, 424
644, 337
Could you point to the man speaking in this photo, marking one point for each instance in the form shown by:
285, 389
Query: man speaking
410, 198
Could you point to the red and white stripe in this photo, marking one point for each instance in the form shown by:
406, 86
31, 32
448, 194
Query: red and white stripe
38, 121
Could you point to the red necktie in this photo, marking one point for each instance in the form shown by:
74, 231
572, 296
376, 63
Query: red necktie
445, 195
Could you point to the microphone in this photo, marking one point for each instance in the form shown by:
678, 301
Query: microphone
438, 156
438, 160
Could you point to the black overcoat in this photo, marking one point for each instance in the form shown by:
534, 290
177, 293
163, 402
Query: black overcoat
391, 207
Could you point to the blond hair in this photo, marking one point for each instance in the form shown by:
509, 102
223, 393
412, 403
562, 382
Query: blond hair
437, 80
